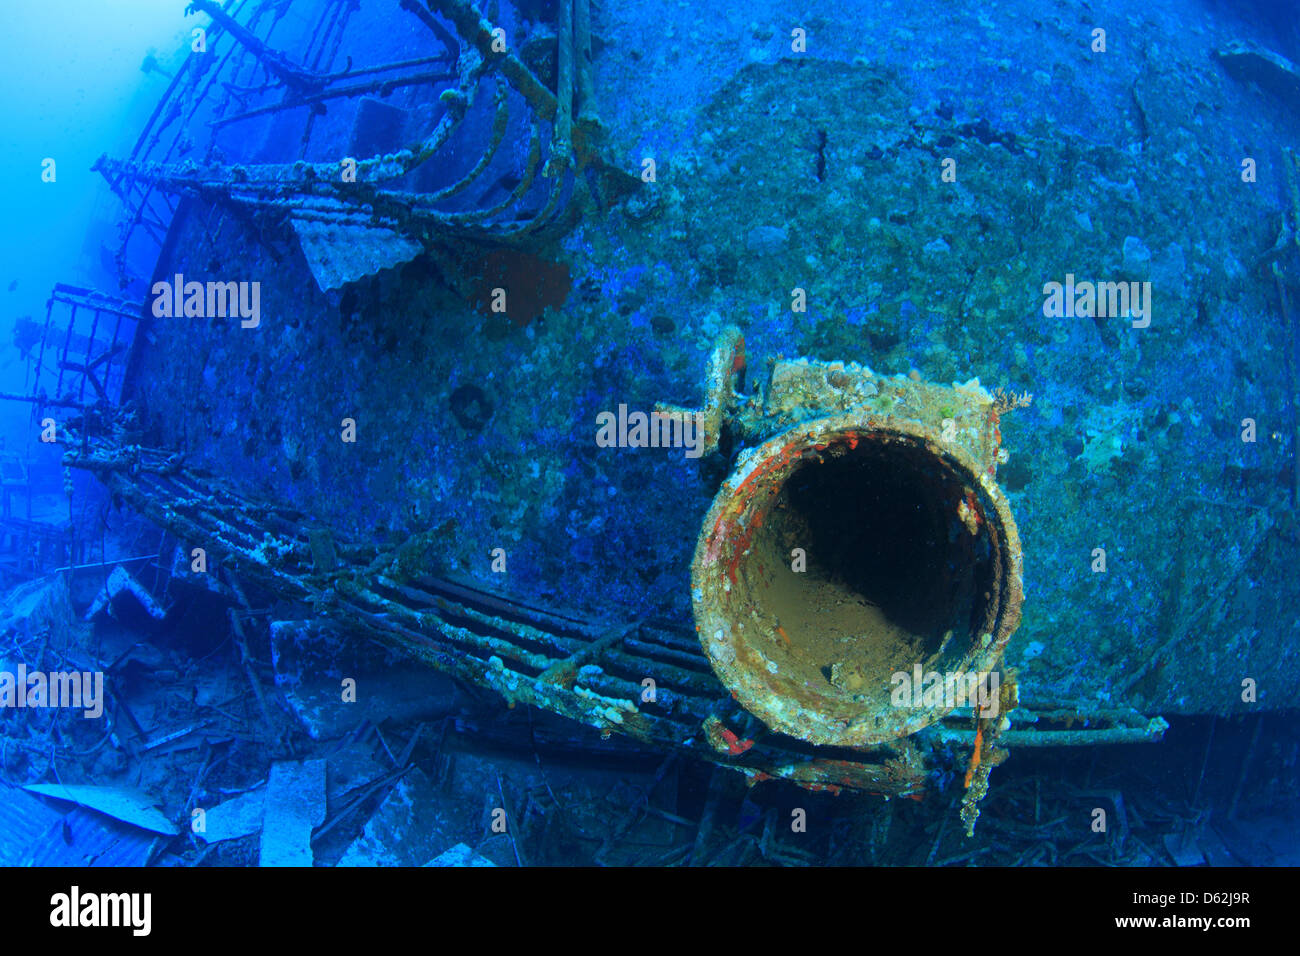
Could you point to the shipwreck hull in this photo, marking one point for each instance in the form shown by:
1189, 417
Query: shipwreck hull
387, 448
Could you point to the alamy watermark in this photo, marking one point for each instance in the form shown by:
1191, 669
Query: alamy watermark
653, 430
922, 688
208, 300
1069, 300
78, 690
74, 908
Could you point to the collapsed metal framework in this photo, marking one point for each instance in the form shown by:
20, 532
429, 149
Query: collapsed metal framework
89, 354
87, 335
149, 211
646, 679
255, 80
78, 366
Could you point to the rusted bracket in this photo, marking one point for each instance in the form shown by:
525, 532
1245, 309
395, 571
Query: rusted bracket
721, 407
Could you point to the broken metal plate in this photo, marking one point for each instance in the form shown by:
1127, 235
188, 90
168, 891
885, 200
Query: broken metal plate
34, 833
341, 253
129, 806
119, 582
22, 815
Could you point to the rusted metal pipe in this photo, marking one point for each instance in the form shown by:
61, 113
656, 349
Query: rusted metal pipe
866, 540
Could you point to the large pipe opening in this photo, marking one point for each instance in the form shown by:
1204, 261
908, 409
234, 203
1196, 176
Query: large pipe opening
848, 555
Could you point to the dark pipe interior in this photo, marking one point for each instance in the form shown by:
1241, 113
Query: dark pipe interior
883, 523
891, 566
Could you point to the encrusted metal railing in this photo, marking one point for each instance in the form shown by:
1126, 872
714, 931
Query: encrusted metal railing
483, 87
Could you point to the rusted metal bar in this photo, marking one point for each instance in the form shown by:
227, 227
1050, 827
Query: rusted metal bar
44, 400
182, 74
1152, 732
274, 61
334, 17
337, 25
63, 351
565, 672
582, 58
359, 89
304, 190
91, 298
245, 658
86, 376
479, 32
186, 79
86, 367
445, 36
500, 122
564, 82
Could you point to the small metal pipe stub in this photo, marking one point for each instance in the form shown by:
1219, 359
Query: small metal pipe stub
851, 549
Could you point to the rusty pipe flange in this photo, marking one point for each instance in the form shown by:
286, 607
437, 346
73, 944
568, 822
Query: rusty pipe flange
842, 553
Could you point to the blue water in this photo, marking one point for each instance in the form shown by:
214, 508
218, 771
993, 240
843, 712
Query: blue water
74, 90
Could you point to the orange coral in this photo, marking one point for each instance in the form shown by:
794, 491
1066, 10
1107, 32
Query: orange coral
975, 755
